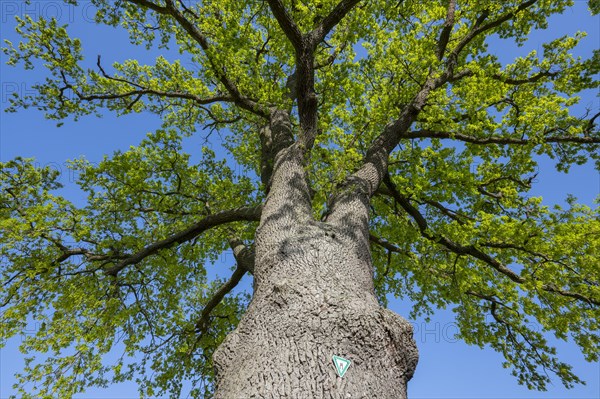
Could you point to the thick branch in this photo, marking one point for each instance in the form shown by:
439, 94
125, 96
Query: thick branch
367, 179
210, 221
307, 101
369, 176
288, 194
305, 46
243, 254
421, 134
511, 81
532, 79
287, 24
304, 75
274, 137
153, 6
331, 20
446, 30
87, 254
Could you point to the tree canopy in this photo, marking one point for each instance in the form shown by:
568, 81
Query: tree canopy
417, 82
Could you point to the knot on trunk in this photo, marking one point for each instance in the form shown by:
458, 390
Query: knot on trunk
400, 332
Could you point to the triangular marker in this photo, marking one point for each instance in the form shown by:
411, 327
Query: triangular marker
341, 365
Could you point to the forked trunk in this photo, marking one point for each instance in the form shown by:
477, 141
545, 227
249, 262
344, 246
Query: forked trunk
313, 299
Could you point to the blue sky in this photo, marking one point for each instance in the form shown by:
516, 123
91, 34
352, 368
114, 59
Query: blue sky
447, 368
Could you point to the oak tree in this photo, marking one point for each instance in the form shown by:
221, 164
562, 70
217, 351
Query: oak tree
356, 124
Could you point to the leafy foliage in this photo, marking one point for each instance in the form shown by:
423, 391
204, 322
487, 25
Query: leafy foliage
114, 274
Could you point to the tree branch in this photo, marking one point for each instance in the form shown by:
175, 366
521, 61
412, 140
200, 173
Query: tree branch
243, 254
210, 221
274, 137
287, 24
331, 20
245, 263
140, 91
497, 22
421, 134
452, 214
446, 30
67, 252
305, 46
478, 28
532, 79
368, 177
387, 245
89, 256
511, 81
153, 6
171, 9
471, 249
203, 322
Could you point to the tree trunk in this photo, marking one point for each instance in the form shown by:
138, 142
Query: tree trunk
313, 299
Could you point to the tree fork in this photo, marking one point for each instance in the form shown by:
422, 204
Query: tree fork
313, 298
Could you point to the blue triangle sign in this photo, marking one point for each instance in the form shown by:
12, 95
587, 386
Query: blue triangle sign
341, 365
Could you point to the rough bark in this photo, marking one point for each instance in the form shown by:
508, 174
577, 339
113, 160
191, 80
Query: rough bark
313, 298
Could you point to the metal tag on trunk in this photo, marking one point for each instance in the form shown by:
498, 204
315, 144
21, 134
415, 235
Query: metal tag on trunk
341, 365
